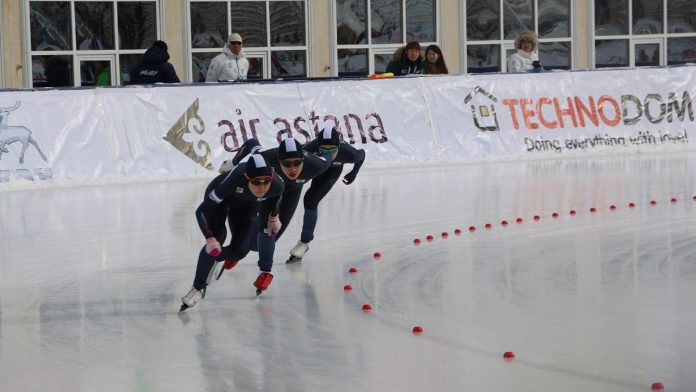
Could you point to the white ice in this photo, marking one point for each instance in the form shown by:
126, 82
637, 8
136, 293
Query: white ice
91, 279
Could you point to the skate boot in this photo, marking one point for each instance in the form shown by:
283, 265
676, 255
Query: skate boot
262, 282
298, 252
191, 298
229, 264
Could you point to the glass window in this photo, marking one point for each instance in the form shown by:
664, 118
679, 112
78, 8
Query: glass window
137, 24
389, 24
94, 25
483, 58
352, 62
58, 46
482, 19
266, 26
611, 17
386, 23
288, 64
681, 50
681, 16
208, 25
554, 19
420, 21
351, 22
50, 25
647, 16
382, 60
248, 18
555, 55
611, 53
487, 48
52, 71
287, 23
517, 16
647, 55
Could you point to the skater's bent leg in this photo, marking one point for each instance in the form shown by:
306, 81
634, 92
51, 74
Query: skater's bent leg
308, 225
205, 264
266, 245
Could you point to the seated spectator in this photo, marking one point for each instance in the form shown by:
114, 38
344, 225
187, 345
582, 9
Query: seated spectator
434, 61
526, 58
407, 60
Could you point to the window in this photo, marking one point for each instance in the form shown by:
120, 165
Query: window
492, 25
274, 34
65, 33
390, 23
635, 33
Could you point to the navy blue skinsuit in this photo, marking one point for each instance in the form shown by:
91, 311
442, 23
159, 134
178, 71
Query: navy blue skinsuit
322, 184
312, 167
228, 197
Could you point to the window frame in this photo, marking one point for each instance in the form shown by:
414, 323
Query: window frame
374, 49
634, 39
505, 44
74, 52
264, 52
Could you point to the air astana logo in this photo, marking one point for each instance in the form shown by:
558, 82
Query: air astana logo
190, 141
482, 107
16, 133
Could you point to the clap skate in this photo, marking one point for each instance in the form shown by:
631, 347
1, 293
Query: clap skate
298, 252
229, 264
262, 282
191, 298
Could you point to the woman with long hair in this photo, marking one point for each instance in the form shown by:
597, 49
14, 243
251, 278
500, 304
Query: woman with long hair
434, 61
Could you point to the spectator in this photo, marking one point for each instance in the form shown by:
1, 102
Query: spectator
154, 68
57, 71
407, 60
526, 58
103, 77
230, 65
434, 61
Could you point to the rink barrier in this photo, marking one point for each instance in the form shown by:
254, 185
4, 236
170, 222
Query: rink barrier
181, 130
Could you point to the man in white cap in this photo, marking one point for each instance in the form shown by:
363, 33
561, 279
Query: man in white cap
230, 65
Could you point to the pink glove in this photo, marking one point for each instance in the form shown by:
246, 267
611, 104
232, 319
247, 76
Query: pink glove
273, 225
212, 247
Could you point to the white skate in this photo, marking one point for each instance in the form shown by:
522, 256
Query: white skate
191, 298
298, 252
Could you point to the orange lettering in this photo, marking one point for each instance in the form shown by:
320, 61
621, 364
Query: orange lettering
510, 103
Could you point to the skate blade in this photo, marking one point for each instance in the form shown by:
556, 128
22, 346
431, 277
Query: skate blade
183, 307
293, 259
220, 274
258, 292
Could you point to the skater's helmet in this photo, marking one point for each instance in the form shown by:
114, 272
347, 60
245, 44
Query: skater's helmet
290, 149
257, 167
329, 136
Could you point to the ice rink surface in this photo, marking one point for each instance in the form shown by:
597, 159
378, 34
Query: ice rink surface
91, 279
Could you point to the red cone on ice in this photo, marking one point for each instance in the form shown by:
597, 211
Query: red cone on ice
572, 212
458, 231
353, 270
519, 220
509, 355
555, 215
417, 330
488, 226
429, 237
472, 228
658, 386
653, 202
367, 308
612, 207
674, 200
537, 217
504, 223
417, 241
593, 210
631, 204
444, 234
347, 287
377, 255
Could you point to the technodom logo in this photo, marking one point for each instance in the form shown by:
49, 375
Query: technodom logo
482, 105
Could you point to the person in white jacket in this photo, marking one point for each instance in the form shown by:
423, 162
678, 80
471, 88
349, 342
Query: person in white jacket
526, 59
230, 65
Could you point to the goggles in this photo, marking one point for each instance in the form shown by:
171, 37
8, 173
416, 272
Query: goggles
292, 163
265, 180
235, 43
328, 150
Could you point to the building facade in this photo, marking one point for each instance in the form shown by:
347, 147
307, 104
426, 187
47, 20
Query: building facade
50, 43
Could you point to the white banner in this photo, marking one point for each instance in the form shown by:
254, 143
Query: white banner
180, 129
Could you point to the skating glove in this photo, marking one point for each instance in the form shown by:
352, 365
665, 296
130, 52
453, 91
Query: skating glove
212, 247
349, 178
273, 225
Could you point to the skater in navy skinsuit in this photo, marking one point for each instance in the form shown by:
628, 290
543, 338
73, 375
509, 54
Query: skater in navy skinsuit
296, 167
242, 197
328, 141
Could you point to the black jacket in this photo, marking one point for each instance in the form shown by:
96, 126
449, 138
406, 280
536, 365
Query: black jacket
401, 65
154, 68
